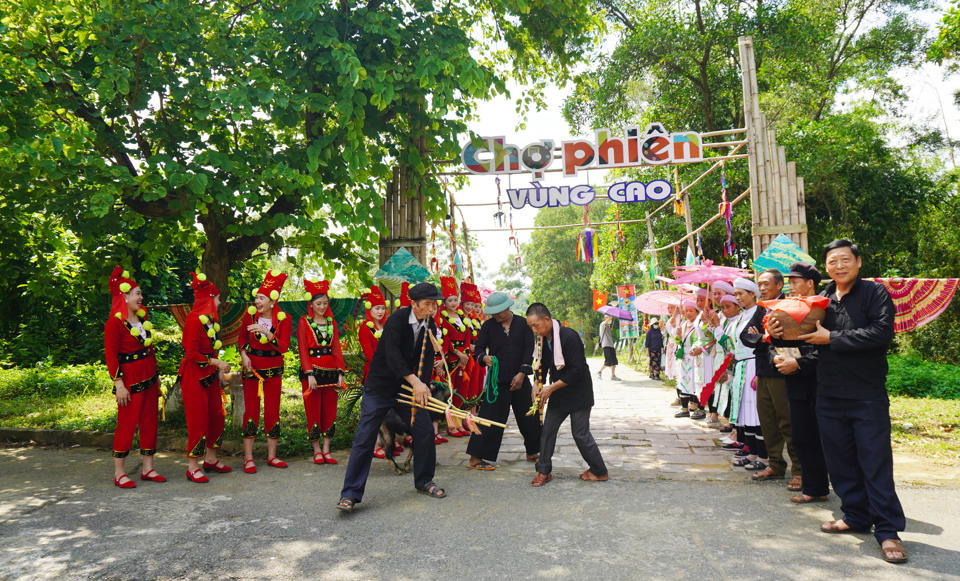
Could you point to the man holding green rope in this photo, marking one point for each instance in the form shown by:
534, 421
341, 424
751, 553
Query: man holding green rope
505, 346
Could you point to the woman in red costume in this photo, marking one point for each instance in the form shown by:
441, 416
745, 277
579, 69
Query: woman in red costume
472, 305
369, 334
264, 338
455, 346
321, 368
133, 367
201, 380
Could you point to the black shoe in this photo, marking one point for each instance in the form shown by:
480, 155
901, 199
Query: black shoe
755, 465
742, 453
732, 447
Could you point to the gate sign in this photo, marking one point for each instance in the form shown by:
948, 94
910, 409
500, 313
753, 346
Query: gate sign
653, 146
622, 193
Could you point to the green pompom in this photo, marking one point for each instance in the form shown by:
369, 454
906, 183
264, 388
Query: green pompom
397, 303
201, 277
125, 287
148, 342
367, 305
460, 312
134, 332
281, 316
370, 324
274, 273
204, 319
378, 334
141, 313
218, 344
211, 333
118, 315
274, 295
255, 293
263, 339
314, 280
444, 332
125, 274
148, 325
439, 302
216, 327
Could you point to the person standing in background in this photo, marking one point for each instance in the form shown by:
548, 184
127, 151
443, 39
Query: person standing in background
605, 338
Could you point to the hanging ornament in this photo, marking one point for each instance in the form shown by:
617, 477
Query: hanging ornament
498, 217
726, 210
588, 241
676, 256
434, 262
678, 205
699, 250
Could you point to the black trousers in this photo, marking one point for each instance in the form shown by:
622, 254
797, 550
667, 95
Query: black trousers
805, 432
580, 427
856, 438
373, 409
487, 444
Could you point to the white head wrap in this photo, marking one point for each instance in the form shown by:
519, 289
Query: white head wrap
702, 292
748, 285
726, 287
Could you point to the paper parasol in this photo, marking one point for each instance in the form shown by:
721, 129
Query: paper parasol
708, 272
656, 302
616, 312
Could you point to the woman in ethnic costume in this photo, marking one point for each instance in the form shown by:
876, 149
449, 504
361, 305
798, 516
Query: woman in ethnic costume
686, 360
201, 380
455, 346
321, 368
133, 368
264, 338
744, 408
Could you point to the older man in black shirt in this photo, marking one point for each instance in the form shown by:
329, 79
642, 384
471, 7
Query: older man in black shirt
508, 338
852, 404
560, 352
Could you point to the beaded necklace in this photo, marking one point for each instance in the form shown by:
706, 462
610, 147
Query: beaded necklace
324, 334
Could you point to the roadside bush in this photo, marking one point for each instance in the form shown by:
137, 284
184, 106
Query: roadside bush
913, 377
54, 382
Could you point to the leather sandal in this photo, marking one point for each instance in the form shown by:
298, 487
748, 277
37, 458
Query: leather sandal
155, 478
481, 465
796, 483
897, 547
125, 484
533, 457
345, 504
832, 528
431, 489
540, 479
591, 477
767, 473
329, 458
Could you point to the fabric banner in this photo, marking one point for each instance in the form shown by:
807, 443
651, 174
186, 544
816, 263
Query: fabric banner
232, 315
918, 300
599, 299
625, 299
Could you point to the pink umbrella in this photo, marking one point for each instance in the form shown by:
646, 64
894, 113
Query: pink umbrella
486, 292
707, 272
656, 302
671, 282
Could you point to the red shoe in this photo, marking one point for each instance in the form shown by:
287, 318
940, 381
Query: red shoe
440, 439
218, 466
454, 433
318, 458
249, 467
379, 453
329, 458
398, 449
128, 484
408, 441
276, 463
198, 479
156, 478
465, 433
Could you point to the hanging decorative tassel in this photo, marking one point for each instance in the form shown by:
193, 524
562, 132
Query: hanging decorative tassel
588, 241
699, 250
498, 217
726, 210
676, 256
678, 205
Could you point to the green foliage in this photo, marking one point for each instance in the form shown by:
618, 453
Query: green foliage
912, 376
947, 46
55, 382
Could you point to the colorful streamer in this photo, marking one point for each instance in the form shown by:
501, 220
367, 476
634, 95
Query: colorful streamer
726, 210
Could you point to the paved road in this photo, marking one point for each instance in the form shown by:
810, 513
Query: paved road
656, 519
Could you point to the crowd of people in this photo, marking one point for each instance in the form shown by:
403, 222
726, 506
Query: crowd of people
819, 396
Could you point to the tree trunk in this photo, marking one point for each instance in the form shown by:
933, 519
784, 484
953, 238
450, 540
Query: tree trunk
217, 261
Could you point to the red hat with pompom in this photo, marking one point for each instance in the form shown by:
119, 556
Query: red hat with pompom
448, 287
272, 285
470, 293
120, 283
316, 287
404, 300
203, 293
374, 298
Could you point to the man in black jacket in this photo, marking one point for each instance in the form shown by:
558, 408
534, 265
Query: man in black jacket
773, 407
508, 338
404, 356
852, 404
801, 375
559, 350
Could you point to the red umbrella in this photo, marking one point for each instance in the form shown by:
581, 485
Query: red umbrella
707, 272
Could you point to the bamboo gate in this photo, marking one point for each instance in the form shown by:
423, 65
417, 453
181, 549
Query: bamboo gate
776, 192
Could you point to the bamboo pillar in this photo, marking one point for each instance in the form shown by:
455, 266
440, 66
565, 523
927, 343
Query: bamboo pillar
688, 218
751, 120
802, 209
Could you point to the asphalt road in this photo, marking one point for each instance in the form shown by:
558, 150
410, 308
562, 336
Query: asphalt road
61, 518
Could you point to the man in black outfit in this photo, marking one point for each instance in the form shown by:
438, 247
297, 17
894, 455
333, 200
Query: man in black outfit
404, 356
570, 394
773, 407
508, 338
801, 375
852, 404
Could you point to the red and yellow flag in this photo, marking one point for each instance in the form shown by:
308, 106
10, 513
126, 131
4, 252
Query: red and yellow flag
599, 299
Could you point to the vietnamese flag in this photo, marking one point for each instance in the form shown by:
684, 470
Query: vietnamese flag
599, 299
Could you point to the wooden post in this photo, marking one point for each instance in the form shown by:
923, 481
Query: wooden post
802, 209
785, 190
776, 215
688, 219
763, 172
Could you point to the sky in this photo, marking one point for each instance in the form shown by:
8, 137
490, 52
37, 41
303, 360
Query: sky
926, 88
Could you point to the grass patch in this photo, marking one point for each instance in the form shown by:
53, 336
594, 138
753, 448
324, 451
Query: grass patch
926, 427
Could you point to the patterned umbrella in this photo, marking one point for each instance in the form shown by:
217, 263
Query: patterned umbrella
656, 302
781, 253
708, 273
918, 300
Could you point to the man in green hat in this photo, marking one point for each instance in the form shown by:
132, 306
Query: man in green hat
505, 346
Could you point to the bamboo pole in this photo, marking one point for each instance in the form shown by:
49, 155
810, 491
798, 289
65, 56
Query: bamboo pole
776, 216
802, 208
751, 104
766, 208
442, 409
688, 219
785, 190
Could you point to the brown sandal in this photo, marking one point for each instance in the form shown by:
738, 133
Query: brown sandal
541, 479
591, 477
804, 499
481, 465
796, 484
896, 548
832, 528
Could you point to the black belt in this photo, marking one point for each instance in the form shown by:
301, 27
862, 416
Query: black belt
320, 351
133, 356
208, 380
261, 353
264, 373
140, 386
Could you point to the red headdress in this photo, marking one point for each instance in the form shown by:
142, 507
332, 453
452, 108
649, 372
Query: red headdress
470, 293
448, 287
120, 283
316, 287
404, 300
373, 298
272, 285
203, 293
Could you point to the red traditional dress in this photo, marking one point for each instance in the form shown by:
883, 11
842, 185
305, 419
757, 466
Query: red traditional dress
202, 393
369, 334
321, 357
266, 359
471, 294
130, 358
456, 339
